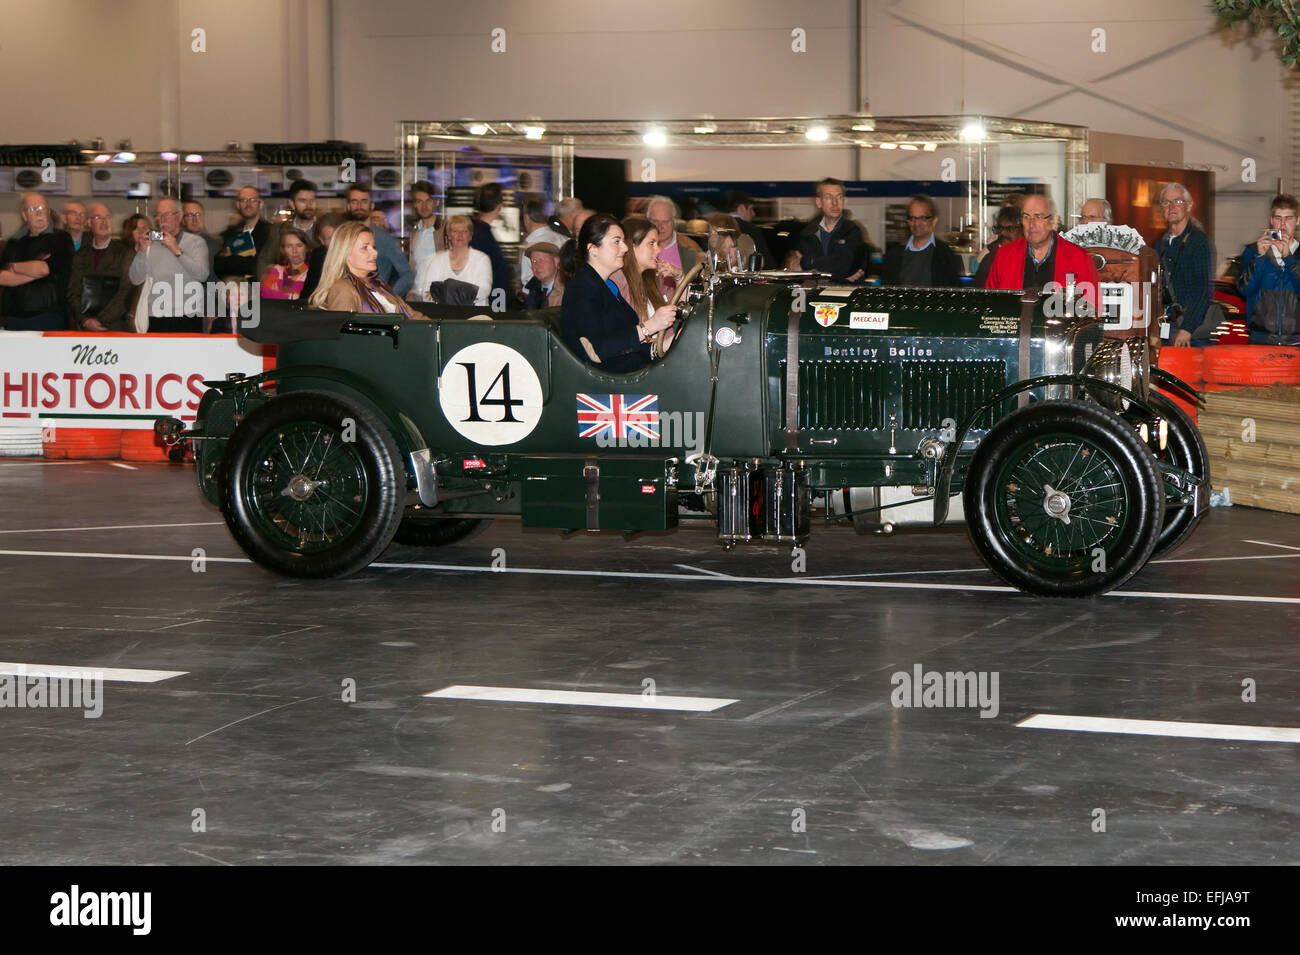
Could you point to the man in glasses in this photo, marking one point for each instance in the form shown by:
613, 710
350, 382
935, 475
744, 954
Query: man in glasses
248, 247
193, 221
1042, 256
922, 260
1270, 277
1186, 255
34, 270
832, 242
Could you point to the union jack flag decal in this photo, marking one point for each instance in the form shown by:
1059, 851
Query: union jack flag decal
618, 417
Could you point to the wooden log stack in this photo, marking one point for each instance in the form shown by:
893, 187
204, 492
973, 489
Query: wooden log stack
1253, 436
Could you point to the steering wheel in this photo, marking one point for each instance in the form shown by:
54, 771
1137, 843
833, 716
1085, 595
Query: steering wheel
680, 320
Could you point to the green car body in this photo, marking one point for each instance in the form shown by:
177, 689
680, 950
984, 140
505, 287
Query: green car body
872, 403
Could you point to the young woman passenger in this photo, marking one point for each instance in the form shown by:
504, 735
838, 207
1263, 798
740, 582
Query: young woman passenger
640, 279
595, 312
348, 280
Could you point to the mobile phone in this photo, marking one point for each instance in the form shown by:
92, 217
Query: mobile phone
154, 236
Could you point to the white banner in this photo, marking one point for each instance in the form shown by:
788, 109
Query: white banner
75, 380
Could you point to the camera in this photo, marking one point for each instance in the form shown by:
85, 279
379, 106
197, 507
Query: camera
1275, 235
154, 236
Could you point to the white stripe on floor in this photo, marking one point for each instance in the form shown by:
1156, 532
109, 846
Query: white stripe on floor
110, 674
692, 578
632, 701
109, 527
119, 464
1271, 544
1104, 724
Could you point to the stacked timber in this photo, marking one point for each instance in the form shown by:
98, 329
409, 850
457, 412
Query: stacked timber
1253, 436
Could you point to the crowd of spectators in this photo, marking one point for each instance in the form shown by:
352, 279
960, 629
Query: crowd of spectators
74, 270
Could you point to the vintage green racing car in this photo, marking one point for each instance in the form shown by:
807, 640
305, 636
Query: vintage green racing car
783, 403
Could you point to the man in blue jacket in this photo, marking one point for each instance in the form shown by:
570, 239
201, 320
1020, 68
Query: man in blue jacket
1188, 259
392, 265
1270, 277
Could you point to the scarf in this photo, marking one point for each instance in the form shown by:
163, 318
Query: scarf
370, 288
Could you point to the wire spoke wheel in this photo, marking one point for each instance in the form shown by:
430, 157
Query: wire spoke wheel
1063, 499
312, 485
309, 488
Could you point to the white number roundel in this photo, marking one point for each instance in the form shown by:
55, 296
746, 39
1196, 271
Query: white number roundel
490, 394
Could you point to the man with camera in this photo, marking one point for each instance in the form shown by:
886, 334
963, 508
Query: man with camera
1270, 277
169, 266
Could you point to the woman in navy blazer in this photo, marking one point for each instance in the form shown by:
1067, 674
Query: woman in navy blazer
593, 313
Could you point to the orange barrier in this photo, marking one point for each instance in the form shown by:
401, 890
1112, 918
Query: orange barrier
1186, 364
1251, 365
142, 446
83, 443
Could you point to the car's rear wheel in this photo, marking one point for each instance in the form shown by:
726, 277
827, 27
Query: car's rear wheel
312, 486
423, 528
1063, 499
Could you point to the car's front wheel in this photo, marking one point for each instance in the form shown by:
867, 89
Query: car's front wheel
312, 486
1063, 499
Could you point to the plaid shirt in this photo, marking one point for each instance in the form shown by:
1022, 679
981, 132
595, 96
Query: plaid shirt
1187, 261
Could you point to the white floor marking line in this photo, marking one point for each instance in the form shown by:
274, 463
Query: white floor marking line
1271, 544
1104, 724
72, 553
701, 570
631, 701
119, 464
110, 674
39, 464
696, 578
109, 527
1208, 560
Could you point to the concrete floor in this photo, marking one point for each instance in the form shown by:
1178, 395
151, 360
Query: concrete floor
811, 764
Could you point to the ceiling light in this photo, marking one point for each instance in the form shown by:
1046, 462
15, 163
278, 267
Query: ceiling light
930, 147
889, 145
817, 134
478, 129
102, 157
534, 132
193, 157
124, 157
973, 132
864, 126
167, 157
909, 146
654, 137
705, 128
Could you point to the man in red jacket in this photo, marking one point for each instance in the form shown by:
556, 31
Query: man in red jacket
1042, 256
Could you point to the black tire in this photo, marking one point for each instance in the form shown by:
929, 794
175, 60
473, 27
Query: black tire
280, 515
1105, 478
422, 528
1185, 448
